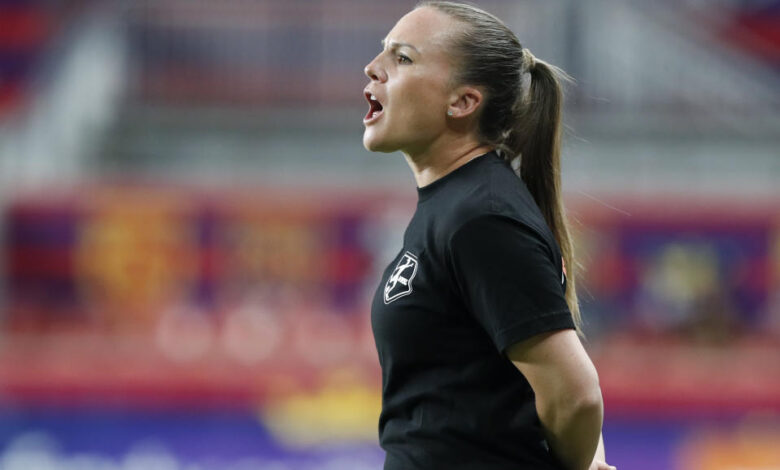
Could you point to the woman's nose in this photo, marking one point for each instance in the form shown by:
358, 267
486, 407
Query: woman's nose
369, 72
372, 71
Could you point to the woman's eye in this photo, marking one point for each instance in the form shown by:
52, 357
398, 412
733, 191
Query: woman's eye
402, 59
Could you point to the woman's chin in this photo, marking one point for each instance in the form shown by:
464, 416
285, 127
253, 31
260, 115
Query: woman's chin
373, 144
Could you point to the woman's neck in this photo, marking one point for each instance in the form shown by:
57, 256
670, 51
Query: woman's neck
433, 164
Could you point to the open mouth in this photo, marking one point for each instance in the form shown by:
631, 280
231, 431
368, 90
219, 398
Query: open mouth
374, 108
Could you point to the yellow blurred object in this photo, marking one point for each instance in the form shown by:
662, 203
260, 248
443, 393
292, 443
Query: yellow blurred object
744, 449
135, 252
343, 409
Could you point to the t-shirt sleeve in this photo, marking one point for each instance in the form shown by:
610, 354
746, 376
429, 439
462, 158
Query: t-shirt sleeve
509, 282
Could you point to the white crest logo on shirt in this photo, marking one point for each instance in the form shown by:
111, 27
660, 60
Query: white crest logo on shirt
399, 283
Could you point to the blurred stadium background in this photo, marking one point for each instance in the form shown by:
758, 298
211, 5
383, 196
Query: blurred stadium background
190, 228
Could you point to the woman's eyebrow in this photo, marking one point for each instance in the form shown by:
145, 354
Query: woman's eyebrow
396, 44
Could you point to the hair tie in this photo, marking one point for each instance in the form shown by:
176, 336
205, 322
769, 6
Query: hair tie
529, 60
527, 66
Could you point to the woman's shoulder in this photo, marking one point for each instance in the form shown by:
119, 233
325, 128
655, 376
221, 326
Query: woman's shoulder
493, 191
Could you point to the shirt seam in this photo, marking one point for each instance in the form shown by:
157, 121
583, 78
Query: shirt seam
495, 213
491, 188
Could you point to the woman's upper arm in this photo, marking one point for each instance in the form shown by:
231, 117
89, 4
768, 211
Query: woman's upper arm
509, 279
556, 366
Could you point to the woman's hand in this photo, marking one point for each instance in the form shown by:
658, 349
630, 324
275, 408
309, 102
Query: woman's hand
600, 465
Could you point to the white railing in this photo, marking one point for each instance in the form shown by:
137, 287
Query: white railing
72, 103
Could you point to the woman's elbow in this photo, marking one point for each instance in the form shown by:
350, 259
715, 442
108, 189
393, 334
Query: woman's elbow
587, 395
582, 398
590, 403
577, 403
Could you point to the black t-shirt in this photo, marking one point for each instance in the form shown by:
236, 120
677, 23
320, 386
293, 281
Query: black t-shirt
479, 270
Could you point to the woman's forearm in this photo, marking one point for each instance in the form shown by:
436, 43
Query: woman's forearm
568, 395
573, 430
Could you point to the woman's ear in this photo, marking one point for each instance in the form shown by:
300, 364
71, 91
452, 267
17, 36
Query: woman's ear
465, 102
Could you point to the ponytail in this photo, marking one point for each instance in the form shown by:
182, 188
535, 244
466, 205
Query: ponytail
536, 141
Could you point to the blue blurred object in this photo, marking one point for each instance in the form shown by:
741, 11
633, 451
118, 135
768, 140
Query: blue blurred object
96, 439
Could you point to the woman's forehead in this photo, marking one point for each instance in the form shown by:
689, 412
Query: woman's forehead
425, 28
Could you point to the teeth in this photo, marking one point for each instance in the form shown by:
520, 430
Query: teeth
373, 98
